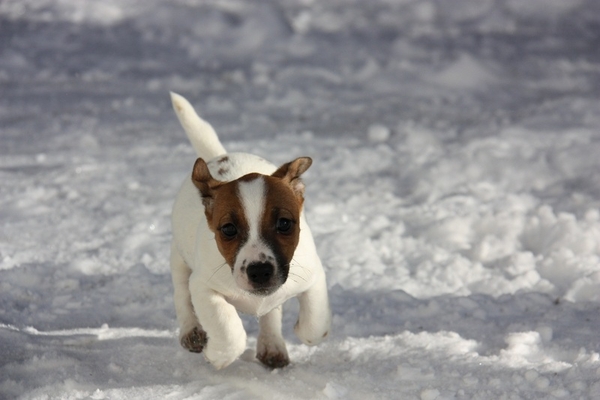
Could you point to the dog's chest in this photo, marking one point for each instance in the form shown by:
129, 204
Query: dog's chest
255, 305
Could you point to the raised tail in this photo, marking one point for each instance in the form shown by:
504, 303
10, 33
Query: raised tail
201, 134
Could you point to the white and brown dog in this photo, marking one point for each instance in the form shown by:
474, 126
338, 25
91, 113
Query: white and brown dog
241, 243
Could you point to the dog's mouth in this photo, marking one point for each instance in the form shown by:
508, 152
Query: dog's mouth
263, 292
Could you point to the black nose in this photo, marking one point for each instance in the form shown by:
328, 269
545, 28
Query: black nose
260, 273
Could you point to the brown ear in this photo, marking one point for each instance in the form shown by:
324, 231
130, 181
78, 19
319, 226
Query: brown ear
291, 172
204, 181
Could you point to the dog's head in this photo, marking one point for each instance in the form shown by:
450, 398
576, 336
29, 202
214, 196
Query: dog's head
255, 220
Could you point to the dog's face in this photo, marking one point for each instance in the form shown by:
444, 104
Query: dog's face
255, 220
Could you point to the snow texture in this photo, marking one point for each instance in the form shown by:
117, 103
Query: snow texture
454, 195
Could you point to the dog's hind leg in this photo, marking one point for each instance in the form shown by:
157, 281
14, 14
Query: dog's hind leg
191, 335
270, 348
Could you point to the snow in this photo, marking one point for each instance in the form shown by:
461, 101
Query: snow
454, 194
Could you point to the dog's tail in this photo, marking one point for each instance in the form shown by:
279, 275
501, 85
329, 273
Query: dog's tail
203, 137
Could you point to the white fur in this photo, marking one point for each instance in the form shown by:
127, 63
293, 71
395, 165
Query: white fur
206, 293
252, 194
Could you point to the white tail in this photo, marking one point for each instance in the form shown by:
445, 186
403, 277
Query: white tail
201, 134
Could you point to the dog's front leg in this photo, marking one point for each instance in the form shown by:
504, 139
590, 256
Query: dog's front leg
223, 326
314, 319
270, 348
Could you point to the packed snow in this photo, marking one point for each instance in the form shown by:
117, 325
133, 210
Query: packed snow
454, 194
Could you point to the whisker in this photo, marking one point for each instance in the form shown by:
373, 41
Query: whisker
217, 270
290, 274
303, 268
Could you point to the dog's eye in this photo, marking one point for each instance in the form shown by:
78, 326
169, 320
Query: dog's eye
284, 225
229, 230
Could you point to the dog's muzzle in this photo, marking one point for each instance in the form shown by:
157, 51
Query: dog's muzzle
265, 278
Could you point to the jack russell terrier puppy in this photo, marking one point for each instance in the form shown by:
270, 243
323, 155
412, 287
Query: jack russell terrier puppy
241, 243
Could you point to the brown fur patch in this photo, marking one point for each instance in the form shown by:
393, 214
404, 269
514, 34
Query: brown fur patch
228, 209
281, 202
222, 171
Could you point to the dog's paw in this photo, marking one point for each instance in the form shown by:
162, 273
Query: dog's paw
194, 341
273, 359
221, 353
272, 352
310, 334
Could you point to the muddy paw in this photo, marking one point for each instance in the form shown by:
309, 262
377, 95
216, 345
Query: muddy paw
194, 341
273, 360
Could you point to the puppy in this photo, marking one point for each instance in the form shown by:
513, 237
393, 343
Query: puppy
241, 243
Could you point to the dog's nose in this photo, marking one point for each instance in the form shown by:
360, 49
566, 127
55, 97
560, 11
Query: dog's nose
260, 273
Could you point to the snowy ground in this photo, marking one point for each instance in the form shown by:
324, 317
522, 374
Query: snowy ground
454, 195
